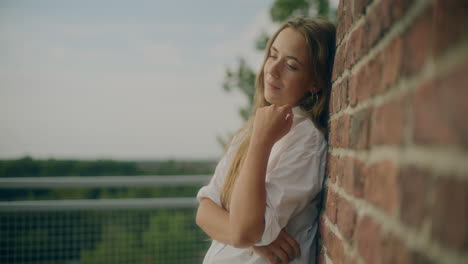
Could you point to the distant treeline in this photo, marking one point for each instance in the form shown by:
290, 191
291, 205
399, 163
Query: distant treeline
29, 167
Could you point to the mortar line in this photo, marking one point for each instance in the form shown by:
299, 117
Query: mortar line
446, 162
418, 241
396, 29
430, 71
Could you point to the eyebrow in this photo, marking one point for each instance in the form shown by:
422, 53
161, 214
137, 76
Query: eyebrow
290, 57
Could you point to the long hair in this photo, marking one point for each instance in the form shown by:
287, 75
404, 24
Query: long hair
320, 39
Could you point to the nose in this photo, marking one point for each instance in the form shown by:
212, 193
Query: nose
274, 69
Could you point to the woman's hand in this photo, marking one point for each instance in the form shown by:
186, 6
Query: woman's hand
272, 122
282, 250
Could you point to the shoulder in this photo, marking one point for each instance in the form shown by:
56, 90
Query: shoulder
304, 134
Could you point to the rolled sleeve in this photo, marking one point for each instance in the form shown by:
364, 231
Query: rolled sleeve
291, 185
213, 189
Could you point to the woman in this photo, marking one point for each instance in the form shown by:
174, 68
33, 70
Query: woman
261, 205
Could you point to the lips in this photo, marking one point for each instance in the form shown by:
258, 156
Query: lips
272, 86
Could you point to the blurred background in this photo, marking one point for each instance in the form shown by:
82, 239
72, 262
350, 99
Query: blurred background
114, 113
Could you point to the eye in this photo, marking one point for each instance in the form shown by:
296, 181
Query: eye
292, 67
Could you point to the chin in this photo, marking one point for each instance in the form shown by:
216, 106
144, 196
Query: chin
270, 100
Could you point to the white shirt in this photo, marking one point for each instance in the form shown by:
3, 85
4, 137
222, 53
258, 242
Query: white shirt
294, 177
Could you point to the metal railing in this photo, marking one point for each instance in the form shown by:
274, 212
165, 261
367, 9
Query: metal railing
138, 230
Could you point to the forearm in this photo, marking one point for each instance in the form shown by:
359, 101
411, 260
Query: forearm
247, 207
214, 221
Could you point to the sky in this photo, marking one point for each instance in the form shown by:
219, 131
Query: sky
125, 80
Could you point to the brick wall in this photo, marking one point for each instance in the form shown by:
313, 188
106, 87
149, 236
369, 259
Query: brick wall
397, 173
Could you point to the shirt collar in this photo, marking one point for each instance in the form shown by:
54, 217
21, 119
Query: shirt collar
298, 112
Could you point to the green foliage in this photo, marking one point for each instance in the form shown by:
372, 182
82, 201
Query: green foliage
173, 230
242, 78
95, 237
114, 237
170, 237
39, 237
323, 8
283, 9
98, 193
28, 167
261, 41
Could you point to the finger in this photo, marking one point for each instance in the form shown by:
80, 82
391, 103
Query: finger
287, 248
285, 108
280, 253
272, 259
292, 242
266, 253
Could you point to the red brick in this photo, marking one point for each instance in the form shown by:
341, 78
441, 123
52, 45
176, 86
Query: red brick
332, 163
450, 24
353, 177
338, 64
375, 72
335, 249
359, 130
386, 19
372, 30
330, 105
322, 228
343, 95
375, 247
368, 238
340, 24
381, 186
397, 8
388, 122
417, 43
354, 47
346, 218
339, 133
344, 169
330, 205
439, 107
414, 188
450, 213
339, 169
344, 19
359, 88
380, 20
360, 7
394, 251
338, 100
348, 15
393, 59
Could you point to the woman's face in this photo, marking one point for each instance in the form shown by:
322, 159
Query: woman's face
286, 71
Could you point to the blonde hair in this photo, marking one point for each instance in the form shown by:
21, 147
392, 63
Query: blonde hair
320, 38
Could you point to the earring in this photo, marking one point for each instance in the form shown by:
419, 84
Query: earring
309, 100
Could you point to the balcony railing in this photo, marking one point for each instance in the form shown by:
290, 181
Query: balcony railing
136, 230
